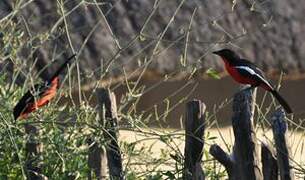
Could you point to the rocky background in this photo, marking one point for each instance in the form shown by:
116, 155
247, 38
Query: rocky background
124, 33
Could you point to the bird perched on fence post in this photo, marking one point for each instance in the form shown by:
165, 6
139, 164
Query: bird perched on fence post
245, 72
40, 94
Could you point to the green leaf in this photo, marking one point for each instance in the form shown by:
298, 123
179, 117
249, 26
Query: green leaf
176, 157
212, 73
169, 174
212, 138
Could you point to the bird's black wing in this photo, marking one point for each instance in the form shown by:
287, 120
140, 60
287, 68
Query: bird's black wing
250, 70
61, 68
27, 98
245, 62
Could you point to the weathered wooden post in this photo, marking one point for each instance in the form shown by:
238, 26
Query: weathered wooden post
245, 150
194, 124
279, 128
243, 164
33, 150
269, 165
97, 160
108, 117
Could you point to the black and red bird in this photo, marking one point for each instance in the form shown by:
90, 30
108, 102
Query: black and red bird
39, 95
245, 72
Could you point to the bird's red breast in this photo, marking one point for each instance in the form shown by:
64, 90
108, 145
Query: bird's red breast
43, 100
236, 75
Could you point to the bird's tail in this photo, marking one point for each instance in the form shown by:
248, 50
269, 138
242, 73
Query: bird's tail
282, 101
62, 67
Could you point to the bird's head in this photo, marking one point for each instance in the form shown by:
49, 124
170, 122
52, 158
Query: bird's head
227, 54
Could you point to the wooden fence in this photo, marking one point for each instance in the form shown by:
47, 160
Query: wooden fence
242, 164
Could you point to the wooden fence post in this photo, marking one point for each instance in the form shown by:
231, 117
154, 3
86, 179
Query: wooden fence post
33, 150
194, 124
97, 161
243, 164
244, 150
269, 165
108, 117
279, 127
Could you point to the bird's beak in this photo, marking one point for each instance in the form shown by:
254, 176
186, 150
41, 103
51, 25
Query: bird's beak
216, 52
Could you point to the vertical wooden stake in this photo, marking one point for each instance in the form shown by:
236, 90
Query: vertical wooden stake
97, 161
245, 152
108, 115
269, 165
33, 150
194, 124
279, 128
